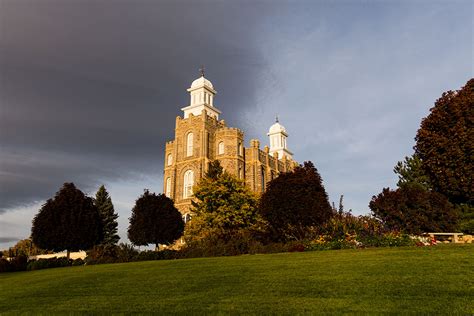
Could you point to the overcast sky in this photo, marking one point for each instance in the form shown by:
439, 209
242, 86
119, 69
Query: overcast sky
89, 90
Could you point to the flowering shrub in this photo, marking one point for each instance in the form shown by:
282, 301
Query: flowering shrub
345, 230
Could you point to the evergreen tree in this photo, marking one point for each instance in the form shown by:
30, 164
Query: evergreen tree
69, 221
295, 201
154, 220
103, 202
410, 171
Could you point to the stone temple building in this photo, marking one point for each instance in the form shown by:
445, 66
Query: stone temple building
200, 137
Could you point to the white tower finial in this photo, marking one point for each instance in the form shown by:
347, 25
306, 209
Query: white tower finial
201, 95
278, 135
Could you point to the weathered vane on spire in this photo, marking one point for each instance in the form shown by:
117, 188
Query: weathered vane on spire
276, 119
201, 70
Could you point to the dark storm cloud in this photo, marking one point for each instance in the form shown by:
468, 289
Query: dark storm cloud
89, 91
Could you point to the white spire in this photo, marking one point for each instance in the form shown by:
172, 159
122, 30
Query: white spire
201, 95
277, 134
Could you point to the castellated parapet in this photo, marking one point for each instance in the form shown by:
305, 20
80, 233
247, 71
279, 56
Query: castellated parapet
200, 137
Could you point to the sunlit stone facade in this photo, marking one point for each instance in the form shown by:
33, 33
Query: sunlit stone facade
201, 137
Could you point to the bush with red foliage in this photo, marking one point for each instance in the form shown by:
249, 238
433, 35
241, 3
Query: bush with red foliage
414, 210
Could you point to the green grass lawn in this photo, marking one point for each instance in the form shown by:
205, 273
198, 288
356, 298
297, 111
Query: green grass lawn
431, 280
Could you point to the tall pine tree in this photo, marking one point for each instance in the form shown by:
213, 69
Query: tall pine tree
103, 202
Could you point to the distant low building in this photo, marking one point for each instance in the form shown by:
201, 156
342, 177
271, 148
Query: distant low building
200, 137
73, 255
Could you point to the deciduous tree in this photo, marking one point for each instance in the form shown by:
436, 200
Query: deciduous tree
224, 206
155, 220
295, 201
69, 221
445, 145
413, 209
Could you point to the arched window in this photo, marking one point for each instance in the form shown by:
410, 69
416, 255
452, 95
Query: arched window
263, 179
168, 187
220, 149
241, 149
169, 160
189, 144
188, 184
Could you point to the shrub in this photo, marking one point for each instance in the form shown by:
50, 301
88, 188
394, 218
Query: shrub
126, 253
49, 263
18, 263
102, 254
4, 265
296, 248
414, 210
111, 254
214, 246
158, 255
240, 243
345, 230
78, 262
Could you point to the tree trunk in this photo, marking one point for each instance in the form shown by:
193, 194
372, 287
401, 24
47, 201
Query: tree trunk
68, 254
157, 247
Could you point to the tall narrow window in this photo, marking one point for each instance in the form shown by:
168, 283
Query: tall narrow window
169, 159
241, 173
168, 187
188, 184
189, 144
240, 150
220, 150
263, 179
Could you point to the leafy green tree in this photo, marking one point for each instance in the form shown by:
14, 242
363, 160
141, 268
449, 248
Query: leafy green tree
69, 221
224, 206
413, 209
103, 202
27, 248
295, 201
155, 220
445, 145
410, 171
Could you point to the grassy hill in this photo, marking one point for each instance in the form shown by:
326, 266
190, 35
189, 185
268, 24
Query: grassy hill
436, 280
